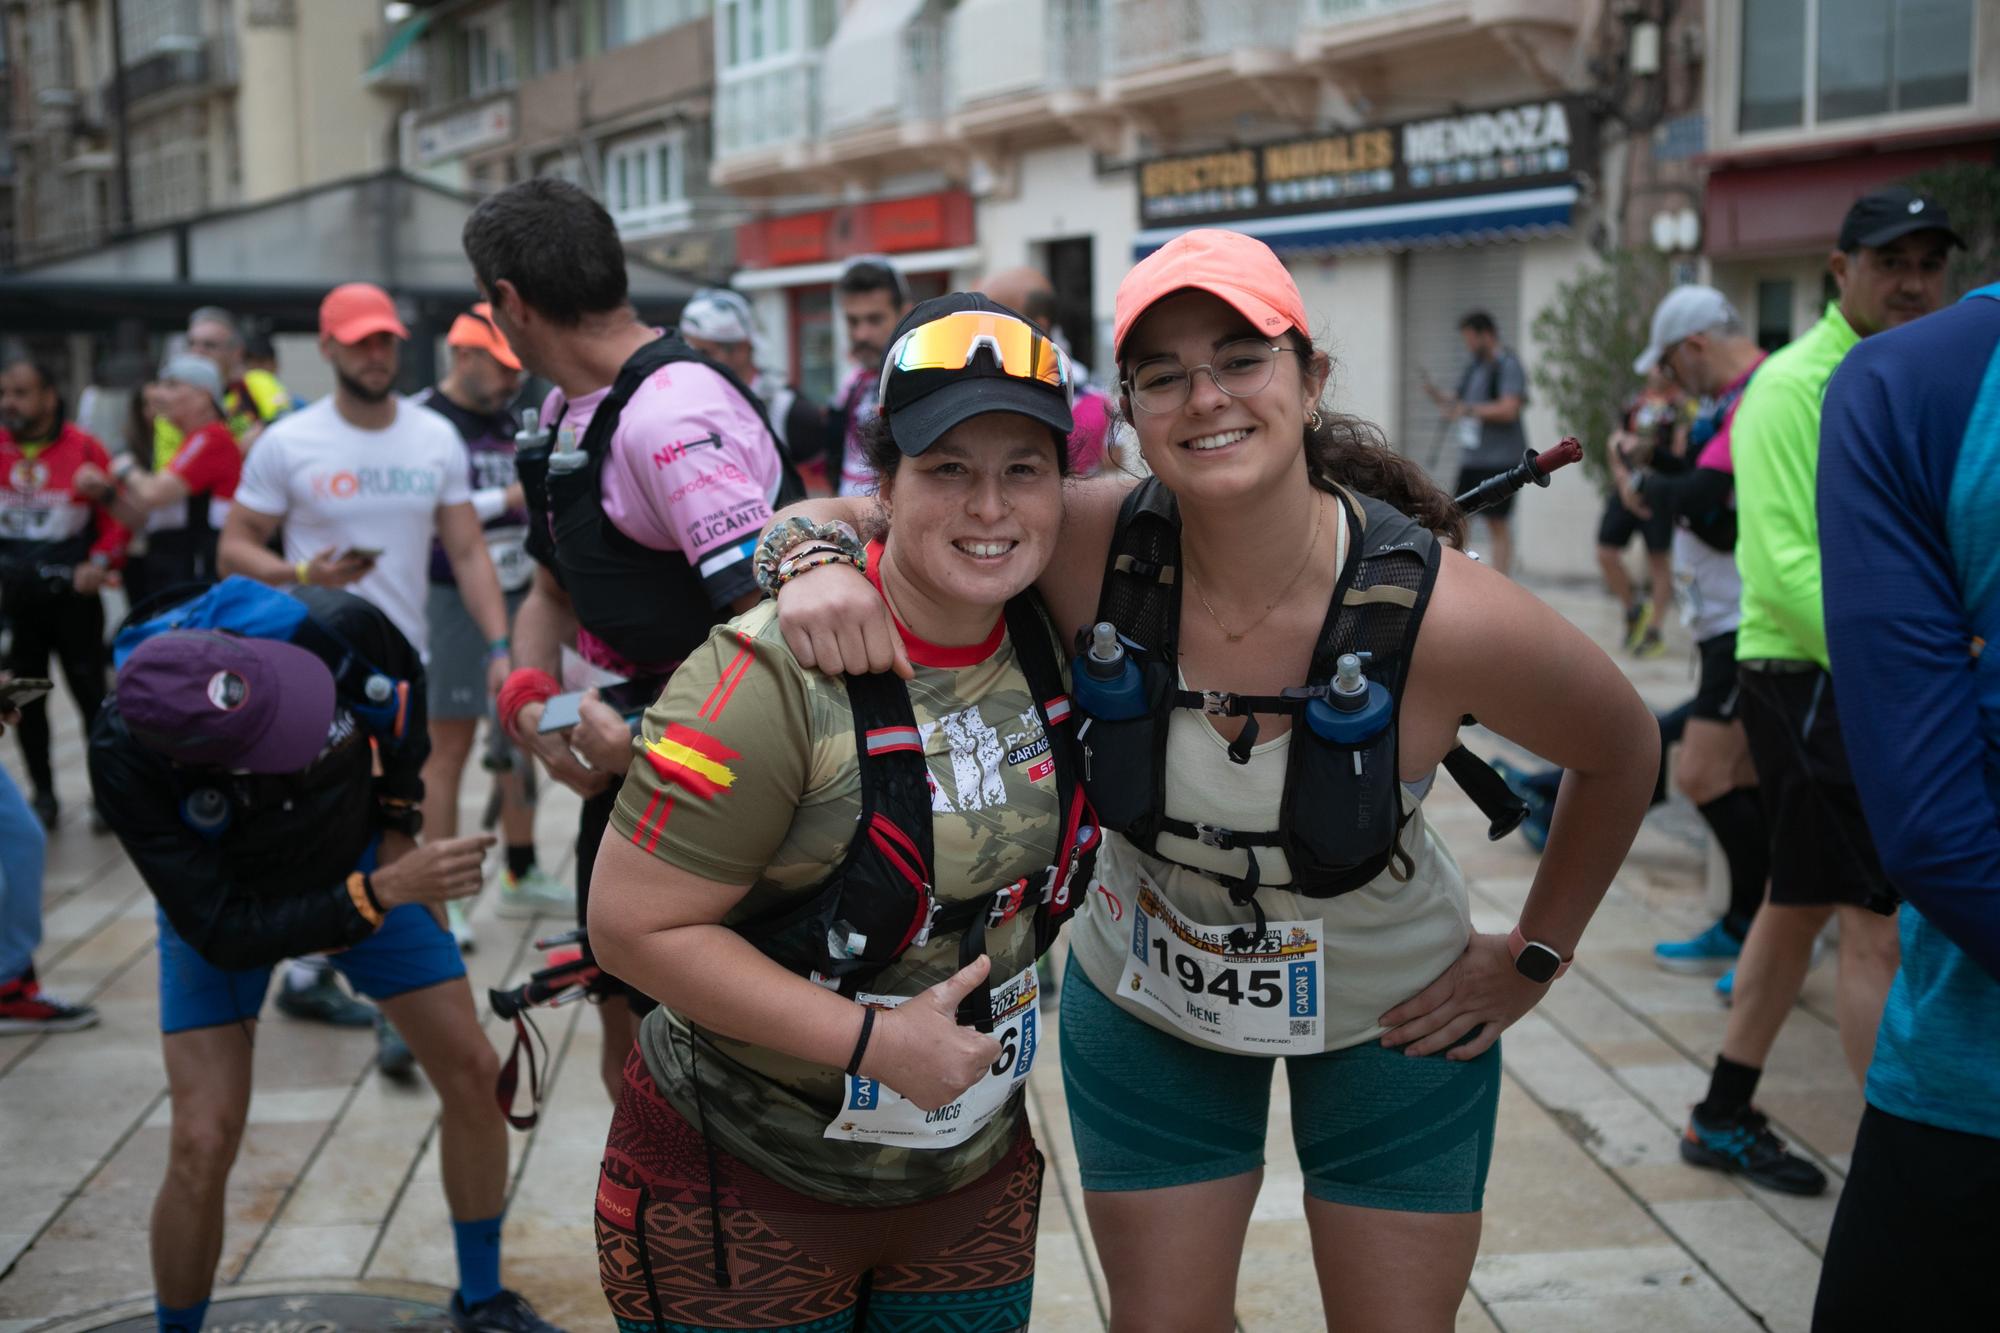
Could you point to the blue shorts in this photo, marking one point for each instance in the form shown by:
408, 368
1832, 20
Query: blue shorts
1374, 1128
407, 952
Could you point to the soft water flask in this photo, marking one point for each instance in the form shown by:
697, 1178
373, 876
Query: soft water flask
1106, 681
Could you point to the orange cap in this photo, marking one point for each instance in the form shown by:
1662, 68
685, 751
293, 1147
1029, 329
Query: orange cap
1239, 269
356, 310
477, 329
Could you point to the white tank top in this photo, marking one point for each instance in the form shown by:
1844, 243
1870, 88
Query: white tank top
1383, 942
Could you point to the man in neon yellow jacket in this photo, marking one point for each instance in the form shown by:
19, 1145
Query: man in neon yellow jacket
252, 399
1889, 267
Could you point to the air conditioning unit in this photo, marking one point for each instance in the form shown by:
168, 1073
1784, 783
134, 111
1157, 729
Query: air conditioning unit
57, 98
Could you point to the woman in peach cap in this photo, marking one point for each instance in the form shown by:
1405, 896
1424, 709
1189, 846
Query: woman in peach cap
1278, 653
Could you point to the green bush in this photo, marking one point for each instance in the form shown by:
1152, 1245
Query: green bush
1589, 336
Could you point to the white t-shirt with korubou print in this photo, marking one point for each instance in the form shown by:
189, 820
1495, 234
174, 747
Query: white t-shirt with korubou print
335, 484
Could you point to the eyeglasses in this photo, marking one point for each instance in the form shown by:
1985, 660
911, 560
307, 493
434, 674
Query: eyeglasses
1021, 351
1239, 369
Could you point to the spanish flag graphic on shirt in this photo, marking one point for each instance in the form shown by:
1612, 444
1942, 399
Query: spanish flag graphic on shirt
695, 763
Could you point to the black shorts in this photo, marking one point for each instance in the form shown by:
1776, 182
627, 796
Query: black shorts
1716, 697
1470, 476
1916, 1230
596, 818
1821, 851
1618, 525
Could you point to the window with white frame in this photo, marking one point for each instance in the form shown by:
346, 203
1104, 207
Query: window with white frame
554, 25
488, 44
645, 182
751, 31
1815, 62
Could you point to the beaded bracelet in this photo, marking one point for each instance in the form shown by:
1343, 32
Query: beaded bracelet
783, 537
790, 570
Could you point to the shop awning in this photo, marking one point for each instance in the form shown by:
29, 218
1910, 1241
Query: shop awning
1467, 220
1781, 208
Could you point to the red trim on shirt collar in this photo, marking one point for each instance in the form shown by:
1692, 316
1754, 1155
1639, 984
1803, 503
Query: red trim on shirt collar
922, 651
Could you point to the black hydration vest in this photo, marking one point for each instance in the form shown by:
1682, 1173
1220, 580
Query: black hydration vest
1342, 811
881, 900
649, 606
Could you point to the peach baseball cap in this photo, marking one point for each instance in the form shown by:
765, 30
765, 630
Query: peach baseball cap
357, 310
477, 329
1238, 269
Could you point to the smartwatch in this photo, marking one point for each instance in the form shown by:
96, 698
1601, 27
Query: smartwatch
1538, 962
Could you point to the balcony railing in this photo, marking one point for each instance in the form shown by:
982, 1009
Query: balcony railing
407, 71
1014, 48
1341, 11
767, 108
1145, 34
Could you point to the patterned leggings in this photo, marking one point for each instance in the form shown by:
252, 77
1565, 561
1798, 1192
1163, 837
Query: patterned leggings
961, 1263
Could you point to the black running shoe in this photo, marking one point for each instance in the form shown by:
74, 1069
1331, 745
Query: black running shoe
508, 1312
1745, 1146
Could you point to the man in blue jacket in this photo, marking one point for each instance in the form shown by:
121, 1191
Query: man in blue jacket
1909, 476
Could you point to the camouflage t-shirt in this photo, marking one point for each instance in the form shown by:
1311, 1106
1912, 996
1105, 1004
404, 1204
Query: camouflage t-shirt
757, 783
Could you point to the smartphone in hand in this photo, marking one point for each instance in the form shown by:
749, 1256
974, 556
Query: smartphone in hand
22, 690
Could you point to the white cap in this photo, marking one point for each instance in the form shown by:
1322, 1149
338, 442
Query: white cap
1683, 312
187, 368
718, 315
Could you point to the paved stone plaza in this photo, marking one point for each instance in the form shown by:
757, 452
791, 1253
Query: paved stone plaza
1592, 1222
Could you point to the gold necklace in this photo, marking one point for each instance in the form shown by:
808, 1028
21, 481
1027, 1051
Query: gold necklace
1312, 545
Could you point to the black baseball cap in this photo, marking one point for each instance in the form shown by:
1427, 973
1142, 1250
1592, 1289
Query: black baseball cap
1884, 215
922, 405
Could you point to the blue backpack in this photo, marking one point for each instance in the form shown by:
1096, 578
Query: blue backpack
379, 701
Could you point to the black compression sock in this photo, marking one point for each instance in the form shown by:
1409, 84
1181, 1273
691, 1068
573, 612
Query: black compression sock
1738, 822
1729, 1090
520, 858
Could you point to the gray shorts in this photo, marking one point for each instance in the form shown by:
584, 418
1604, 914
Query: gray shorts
456, 672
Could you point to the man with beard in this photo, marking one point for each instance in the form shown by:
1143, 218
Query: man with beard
361, 482
873, 300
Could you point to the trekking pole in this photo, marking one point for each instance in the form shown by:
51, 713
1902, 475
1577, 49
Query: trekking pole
1533, 467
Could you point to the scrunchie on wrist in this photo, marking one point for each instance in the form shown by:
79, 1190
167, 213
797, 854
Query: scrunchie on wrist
525, 685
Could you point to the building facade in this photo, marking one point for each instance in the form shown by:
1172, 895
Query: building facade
1411, 160
221, 103
611, 94
1812, 103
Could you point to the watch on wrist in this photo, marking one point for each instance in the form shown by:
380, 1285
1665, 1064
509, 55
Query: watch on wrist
1538, 962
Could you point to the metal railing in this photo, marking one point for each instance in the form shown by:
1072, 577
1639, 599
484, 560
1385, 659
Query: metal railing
409, 70
1145, 34
1340, 11
766, 108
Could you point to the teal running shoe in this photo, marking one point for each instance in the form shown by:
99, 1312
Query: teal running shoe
1725, 987
1709, 951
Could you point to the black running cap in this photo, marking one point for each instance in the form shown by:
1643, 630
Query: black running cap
923, 405
1885, 215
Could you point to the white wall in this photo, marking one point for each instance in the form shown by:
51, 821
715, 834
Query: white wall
1058, 193
1349, 293
1555, 530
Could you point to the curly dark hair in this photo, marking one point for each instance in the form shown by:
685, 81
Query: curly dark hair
1355, 453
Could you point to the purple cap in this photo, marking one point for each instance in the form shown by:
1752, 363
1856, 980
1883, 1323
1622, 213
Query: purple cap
213, 699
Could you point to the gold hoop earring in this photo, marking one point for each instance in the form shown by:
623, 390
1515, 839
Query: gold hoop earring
1312, 422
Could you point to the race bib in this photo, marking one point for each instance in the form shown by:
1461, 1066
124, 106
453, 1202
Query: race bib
874, 1112
509, 549
38, 523
1263, 1000
1467, 430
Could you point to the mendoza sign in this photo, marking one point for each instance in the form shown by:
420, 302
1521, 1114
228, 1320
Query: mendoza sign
1471, 152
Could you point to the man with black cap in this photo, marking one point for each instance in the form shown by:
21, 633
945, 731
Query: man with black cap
1889, 267
239, 777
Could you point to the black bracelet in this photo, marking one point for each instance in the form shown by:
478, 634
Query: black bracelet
861, 1042
368, 887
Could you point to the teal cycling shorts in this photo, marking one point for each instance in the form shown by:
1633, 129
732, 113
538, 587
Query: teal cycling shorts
1374, 1128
